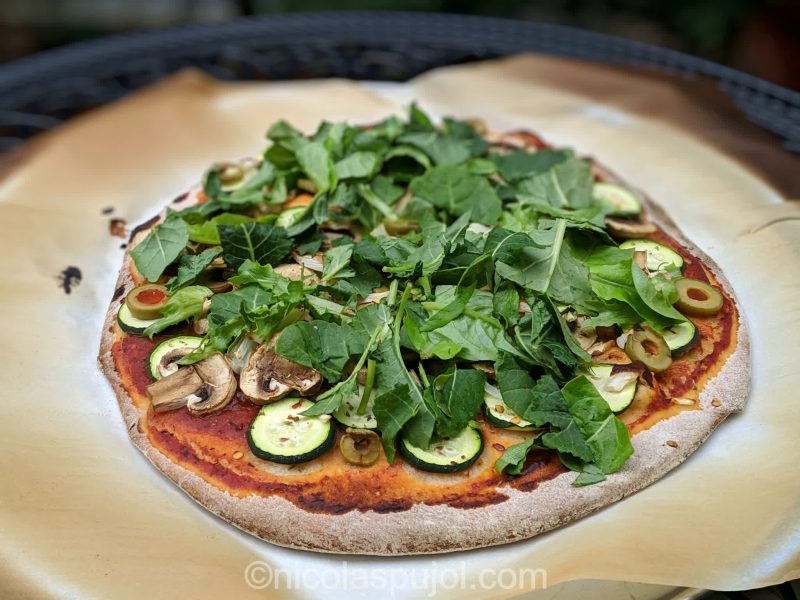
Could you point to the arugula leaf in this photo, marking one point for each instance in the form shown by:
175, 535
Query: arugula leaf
589, 475
264, 276
451, 311
570, 440
315, 161
512, 461
456, 190
161, 247
320, 345
190, 267
255, 241
182, 305
458, 395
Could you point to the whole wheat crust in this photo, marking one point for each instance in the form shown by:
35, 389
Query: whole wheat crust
426, 529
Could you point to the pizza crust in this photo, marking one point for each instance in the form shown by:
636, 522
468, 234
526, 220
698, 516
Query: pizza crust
426, 529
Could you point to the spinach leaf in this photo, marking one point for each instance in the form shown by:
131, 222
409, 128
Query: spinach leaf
206, 232
530, 263
335, 260
320, 345
479, 334
456, 190
589, 475
315, 161
458, 396
420, 342
650, 294
255, 241
518, 165
393, 409
506, 302
190, 267
451, 311
539, 402
182, 305
512, 461
359, 165
606, 435
161, 247
567, 184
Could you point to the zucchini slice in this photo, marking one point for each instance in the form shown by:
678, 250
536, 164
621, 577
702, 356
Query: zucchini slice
130, 324
658, 255
347, 413
445, 455
681, 337
164, 357
280, 434
499, 414
618, 201
618, 389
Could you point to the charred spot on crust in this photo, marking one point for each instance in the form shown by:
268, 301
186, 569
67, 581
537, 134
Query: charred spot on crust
116, 227
69, 277
118, 292
142, 226
180, 198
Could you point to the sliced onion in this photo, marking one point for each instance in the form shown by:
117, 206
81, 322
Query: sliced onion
491, 390
239, 355
309, 261
374, 297
618, 381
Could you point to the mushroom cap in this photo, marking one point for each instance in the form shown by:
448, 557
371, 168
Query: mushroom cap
627, 228
219, 385
269, 377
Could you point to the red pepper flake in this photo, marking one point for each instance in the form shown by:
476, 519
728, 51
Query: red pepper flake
499, 447
297, 404
283, 439
452, 462
293, 417
672, 443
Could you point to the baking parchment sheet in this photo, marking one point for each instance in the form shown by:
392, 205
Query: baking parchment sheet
83, 514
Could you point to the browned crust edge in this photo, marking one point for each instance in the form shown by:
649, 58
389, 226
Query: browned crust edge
426, 529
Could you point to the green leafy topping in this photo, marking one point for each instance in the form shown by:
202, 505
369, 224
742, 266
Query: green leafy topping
161, 247
190, 266
258, 242
183, 304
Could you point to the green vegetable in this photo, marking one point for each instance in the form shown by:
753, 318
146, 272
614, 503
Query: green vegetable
161, 247
191, 266
258, 242
458, 191
183, 304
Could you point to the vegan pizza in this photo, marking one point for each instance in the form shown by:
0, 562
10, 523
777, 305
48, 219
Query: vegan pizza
414, 337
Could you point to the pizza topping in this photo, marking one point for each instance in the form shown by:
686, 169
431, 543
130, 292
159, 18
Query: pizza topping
697, 297
269, 377
147, 301
456, 261
163, 359
616, 200
360, 447
445, 455
280, 433
204, 387
649, 348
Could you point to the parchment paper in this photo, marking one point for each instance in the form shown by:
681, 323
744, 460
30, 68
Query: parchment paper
82, 513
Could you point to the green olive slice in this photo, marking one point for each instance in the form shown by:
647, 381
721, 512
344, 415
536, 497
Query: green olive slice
147, 301
400, 227
697, 297
360, 447
649, 348
230, 173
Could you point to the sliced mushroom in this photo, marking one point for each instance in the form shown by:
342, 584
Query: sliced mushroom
202, 388
269, 377
627, 228
173, 391
219, 388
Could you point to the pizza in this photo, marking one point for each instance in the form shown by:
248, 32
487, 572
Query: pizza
417, 337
